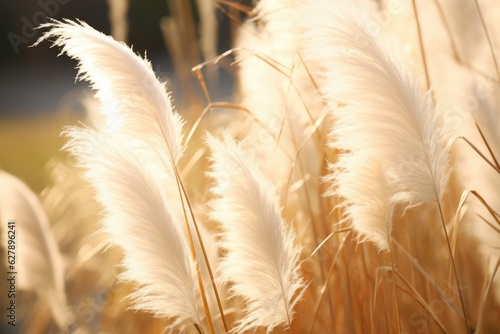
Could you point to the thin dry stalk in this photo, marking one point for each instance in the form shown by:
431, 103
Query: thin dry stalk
485, 297
460, 293
480, 153
490, 44
422, 49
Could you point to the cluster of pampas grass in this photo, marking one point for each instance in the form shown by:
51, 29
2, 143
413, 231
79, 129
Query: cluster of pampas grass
334, 199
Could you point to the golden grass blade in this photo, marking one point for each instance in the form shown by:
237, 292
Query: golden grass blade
485, 297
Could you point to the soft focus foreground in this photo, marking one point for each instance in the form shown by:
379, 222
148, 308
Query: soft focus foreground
350, 184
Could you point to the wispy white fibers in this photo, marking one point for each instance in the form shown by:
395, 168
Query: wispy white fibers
138, 219
378, 108
368, 200
134, 103
130, 159
261, 253
38, 262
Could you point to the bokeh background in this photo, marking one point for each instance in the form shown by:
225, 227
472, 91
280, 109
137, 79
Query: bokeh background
38, 92
39, 95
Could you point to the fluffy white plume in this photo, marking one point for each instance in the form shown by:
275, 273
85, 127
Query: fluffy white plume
38, 260
135, 106
138, 219
261, 259
368, 200
134, 103
392, 116
129, 161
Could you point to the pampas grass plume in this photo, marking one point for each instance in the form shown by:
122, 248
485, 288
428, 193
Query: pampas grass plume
38, 260
130, 160
261, 259
392, 116
138, 219
134, 103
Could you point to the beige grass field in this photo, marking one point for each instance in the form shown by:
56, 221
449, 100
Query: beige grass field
351, 184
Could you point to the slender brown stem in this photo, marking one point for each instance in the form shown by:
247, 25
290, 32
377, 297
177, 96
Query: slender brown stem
488, 38
394, 286
427, 276
181, 191
454, 48
488, 223
480, 154
412, 292
205, 256
454, 267
448, 31
485, 296
201, 78
239, 7
286, 305
193, 253
285, 113
318, 122
313, 225
378, 281
234, 19
487, 145
493, 213
422, 49
323, 289
198, 329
